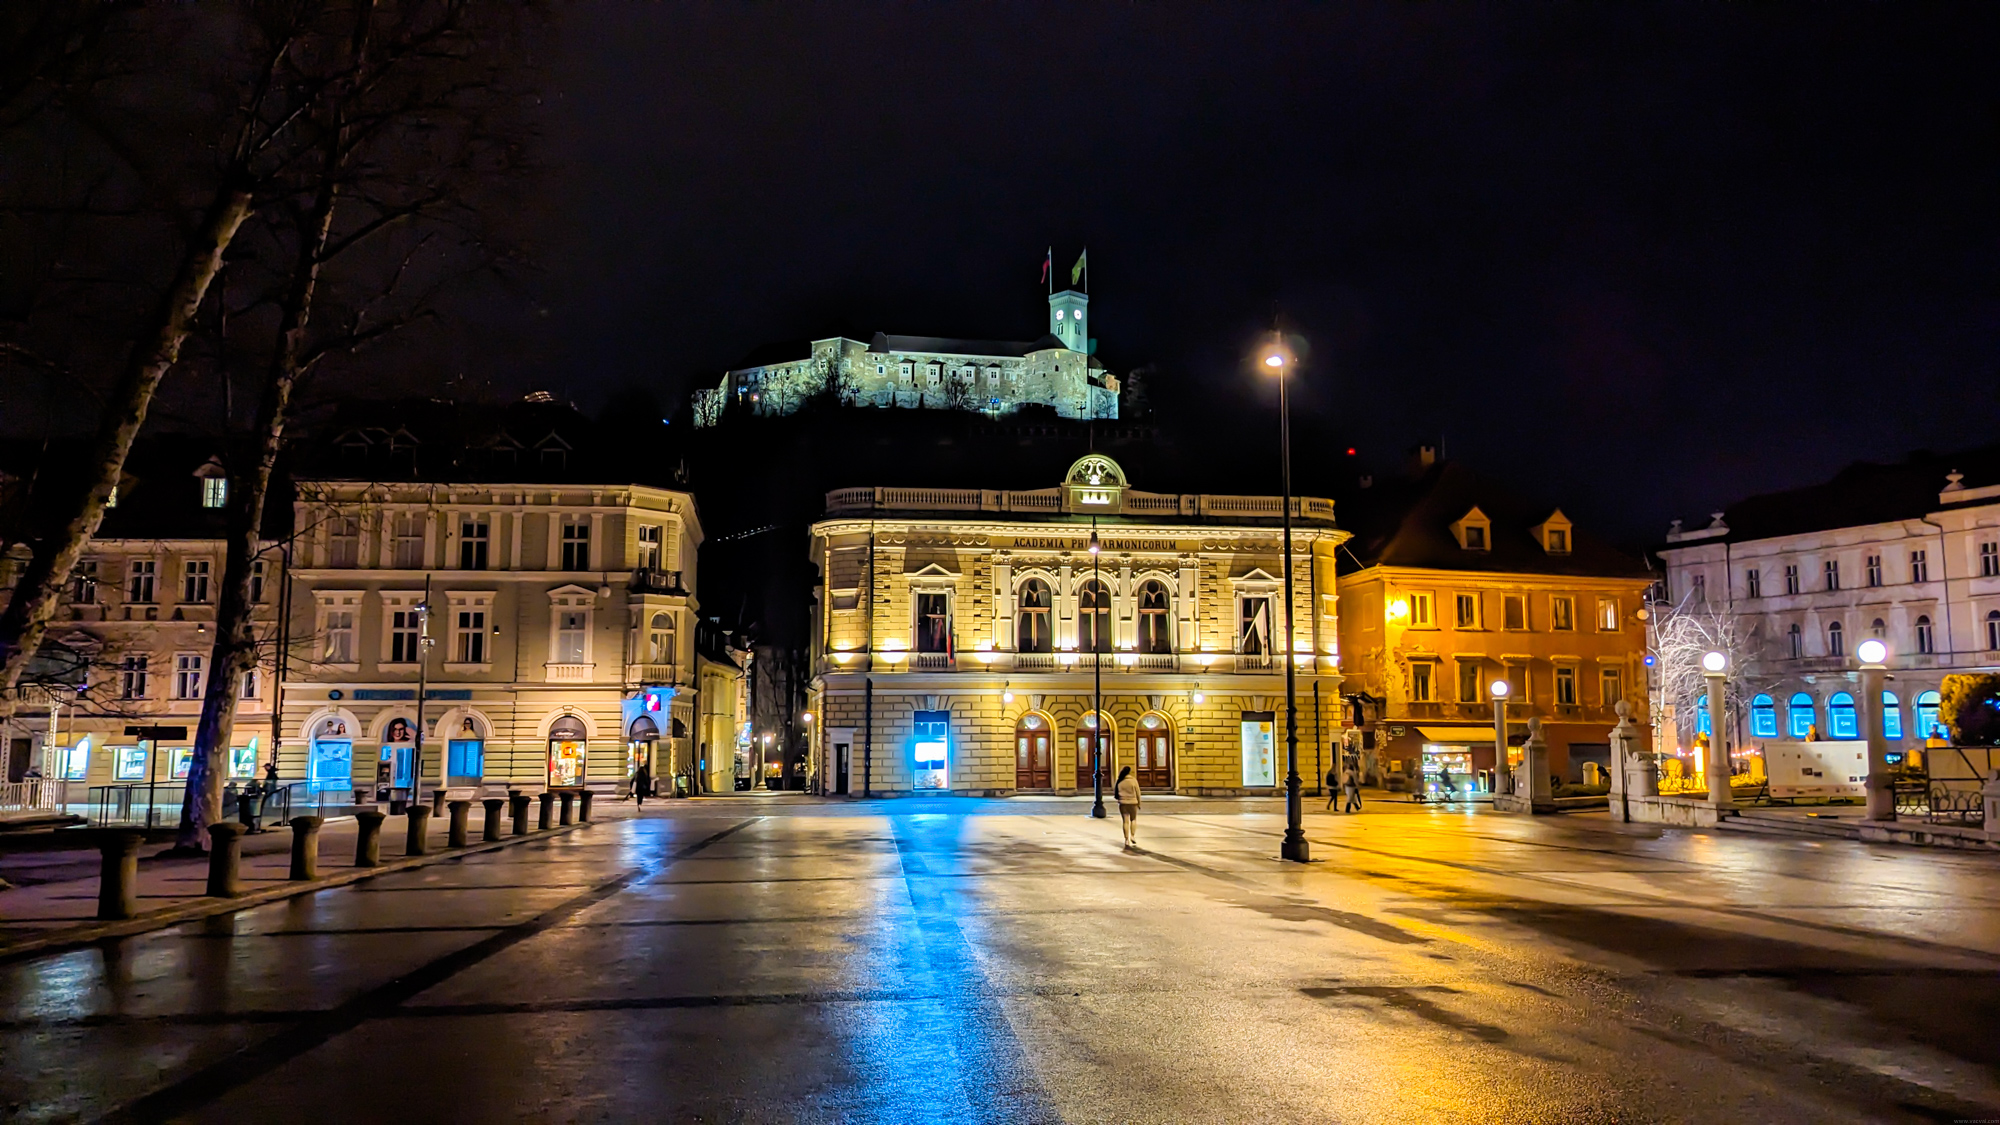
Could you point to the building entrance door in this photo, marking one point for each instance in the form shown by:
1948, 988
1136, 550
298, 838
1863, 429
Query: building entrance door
1083, 763
1031, 759
1155, 767
840, 756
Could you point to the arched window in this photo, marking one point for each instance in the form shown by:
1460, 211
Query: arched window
1803, 712
1763, 717
1836, 641
1033, 634
1840, 719
1892, 717
1878, 629
660, 639
1093, 617
1155, 620
1928, 725
1924, 642
1993, 629
1701, 723
1798, 641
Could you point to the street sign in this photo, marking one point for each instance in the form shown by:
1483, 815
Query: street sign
158, 734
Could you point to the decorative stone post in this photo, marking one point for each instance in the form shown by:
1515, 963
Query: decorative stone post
368, 837
118, 875
583, 806
1881, 786
437, 802
1642, 773
547, 817
517, 805
418, 841
1715, 670
1535, 764
568, 807
461, 815
225, 859
305, 847
490, 830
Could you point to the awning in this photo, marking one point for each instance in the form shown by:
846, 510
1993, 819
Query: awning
1468, 735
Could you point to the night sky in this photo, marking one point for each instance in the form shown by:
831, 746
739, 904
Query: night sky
1636, 260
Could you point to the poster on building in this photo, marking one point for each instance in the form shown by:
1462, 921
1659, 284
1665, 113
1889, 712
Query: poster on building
930, 748
1260, 765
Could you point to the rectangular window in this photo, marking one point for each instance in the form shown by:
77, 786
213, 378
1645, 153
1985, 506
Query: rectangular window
576, 543
1874, 570
339, 637
1514, 611
132, 678
214, 492
1611, 684
343, 542
1558, 541
1753, 583
1607, 615
409, 547
1832, 568
1791, 578
1422, 689
194, 581
1920, 570
1565, 686
1467, 612
187, 676
243, 760
139, 581
1989, 560
404, 626
933, 621
472, 539
248, 688
1420, 611
1469, 688
1562, 613
470, 643
1475, 537
1253, 626
257, 582
649, 546
572, 626
83, 587
131, 762
1260, 762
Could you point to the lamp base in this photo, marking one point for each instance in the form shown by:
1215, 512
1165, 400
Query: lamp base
1295, 848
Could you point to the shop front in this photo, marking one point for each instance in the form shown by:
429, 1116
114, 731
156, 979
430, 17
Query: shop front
465, 753
330, 763
568, 753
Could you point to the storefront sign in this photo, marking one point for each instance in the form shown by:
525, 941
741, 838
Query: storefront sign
1055, 543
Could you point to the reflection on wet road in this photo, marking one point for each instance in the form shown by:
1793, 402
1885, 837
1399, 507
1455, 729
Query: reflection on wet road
1006, 961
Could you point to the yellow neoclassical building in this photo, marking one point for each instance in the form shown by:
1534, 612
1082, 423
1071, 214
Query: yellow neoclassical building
984, 642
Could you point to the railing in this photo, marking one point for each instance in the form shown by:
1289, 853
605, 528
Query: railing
646, 581
570, 673
1051, 500
1153, 504
1031, 501
1034, 662
159, 803
1255, 662
931, 662
26, 796
650, 673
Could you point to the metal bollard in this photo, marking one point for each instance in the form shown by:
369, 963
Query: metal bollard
547, 818
517, 803
568, 807
368, 837
583, 806
419, 840
461, 812
305, 847
225, 859
118, 878
490, 831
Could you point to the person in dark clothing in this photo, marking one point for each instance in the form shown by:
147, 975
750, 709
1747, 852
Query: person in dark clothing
642, 783
1332, 786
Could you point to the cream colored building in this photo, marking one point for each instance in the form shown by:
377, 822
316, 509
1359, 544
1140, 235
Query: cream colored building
963, 635
560, 625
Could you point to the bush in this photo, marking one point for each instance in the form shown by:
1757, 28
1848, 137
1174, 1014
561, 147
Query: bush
1969, 706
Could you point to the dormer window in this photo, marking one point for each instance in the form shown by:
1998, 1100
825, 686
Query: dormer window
214, 483
1473, 531
1554, 533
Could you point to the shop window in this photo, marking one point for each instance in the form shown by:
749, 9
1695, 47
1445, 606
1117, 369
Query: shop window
129, 762
930, 747
243, 760
1803, 712
1892, 717
1840, 717
76, 767
1763, 717
567, 753
1928, 725
1260, 767
1032, 631
182, 763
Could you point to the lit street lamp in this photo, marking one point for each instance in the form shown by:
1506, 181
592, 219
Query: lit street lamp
1503, 781
1715, 668
1874, 656
1280, 361
1096, 683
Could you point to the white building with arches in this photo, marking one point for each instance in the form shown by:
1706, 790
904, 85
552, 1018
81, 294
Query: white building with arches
975, 641
1908, 553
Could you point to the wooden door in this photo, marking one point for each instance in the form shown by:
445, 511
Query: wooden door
1155, 768
1031, 760
1083, 761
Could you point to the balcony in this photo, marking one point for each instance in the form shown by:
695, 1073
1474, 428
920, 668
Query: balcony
570, 673
646, 581
649, 673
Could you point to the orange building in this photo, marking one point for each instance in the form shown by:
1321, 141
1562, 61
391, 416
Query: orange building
1456, 585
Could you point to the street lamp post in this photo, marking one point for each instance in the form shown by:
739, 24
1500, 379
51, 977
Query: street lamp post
1294, 848
1715, 669
1503, 780
1096, 682
1874, 656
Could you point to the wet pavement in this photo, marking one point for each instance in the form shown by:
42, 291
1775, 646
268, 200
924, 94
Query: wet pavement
778, 959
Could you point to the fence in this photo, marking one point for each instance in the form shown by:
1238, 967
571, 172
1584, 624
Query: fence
150, 804
28, 796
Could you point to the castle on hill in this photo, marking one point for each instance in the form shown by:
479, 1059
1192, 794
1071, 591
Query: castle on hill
993, 377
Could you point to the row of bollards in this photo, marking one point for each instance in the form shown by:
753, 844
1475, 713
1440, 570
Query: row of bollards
118, 883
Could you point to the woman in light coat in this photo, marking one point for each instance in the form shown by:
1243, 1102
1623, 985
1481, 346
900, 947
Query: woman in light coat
1127, 792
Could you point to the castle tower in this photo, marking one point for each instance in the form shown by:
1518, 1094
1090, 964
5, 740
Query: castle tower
1068, 321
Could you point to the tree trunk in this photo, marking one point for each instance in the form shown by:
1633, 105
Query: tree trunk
26, 618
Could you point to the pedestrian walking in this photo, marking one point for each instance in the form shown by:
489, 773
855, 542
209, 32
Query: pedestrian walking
1127, 792
642, 782
1353, 792
1332, 786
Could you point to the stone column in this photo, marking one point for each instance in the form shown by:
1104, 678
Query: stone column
1621, 753
583, 805
461, 815
546, 819
1535, 764
1881, 787
491, 829
568, 807
368, 837
118, 875
305, 847
418, 842
1719, 793
225, 859
517, 807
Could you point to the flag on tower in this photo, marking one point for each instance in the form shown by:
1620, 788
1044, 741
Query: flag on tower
1048, 265
1081, 267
